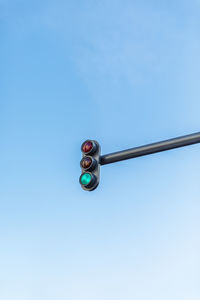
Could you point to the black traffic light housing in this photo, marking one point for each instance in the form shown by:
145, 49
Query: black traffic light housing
90, 165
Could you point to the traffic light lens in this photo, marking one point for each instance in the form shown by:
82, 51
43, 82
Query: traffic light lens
86, 178
87, 147
86, 162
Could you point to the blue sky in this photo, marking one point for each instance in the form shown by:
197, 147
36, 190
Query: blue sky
125, 73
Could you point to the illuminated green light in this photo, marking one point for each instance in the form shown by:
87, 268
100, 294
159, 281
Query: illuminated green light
86, 178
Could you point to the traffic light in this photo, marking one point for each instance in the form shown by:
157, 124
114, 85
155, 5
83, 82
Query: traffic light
90, 165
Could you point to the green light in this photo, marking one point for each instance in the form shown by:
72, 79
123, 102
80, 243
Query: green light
86, 178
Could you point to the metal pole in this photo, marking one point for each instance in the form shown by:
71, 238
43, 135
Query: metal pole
151, 148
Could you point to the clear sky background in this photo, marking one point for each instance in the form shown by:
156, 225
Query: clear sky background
125, 73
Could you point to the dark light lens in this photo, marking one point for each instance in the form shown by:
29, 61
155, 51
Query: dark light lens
86, 162
87, 147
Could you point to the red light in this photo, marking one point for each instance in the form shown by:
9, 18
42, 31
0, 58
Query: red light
87, 147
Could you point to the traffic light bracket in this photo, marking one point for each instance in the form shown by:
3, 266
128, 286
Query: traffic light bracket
96, 159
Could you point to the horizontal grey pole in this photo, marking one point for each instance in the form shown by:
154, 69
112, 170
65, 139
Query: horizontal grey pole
151, 148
